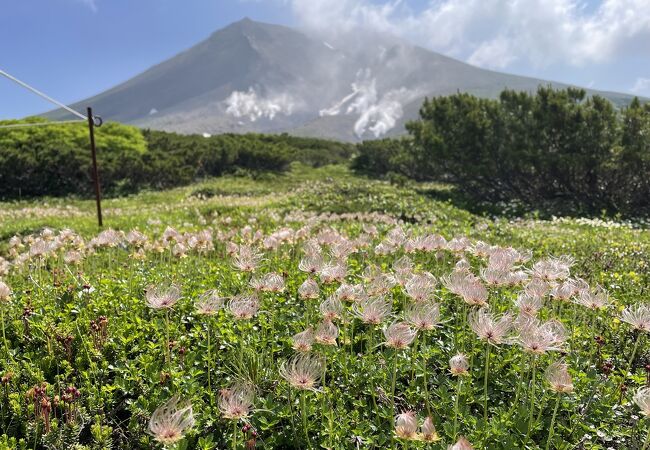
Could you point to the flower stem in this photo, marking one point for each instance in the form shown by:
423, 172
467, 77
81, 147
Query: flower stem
551, 429
393, 381
303, 408
4, 336
647, 441
209, 363
168, 356
532, 396
636, 347
456, 403
234, 435
485, 384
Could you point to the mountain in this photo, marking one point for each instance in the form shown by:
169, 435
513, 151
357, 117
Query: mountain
258, 77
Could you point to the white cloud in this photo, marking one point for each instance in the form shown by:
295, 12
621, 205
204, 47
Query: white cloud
641, 86
497, 33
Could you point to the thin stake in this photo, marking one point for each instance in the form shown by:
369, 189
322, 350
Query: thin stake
93, 150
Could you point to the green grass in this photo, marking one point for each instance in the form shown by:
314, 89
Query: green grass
124, 375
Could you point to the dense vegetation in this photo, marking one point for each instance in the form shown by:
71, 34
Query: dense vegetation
555, 151
206, 299
55, 160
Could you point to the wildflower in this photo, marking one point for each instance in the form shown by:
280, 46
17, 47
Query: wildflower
565, 290
303, 371
326, 333
461, 444
458, 365
403, 269
372, 310
490, 328
538, 338
247, 259
309, 289
421, 287
270, 282
236, 401
423, 316
5, 292
399, 335
209, 303
638, 316
171, 421
553, 269
244, 307
529, 305
331, 308
467, 286
303, 341
406, 425
333, 272
429, 433
558, 377
311, 264
642, 399
349, 292
72, 257
594, 299
162, 297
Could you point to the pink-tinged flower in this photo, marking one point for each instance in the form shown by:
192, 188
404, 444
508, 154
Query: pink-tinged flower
244, 307
162, 297
642, 399
495, 276
597, 298
171, 420
309, 289
372, 310
406, 425
529, 305
429, 433
565, 290
270, 282
421, 287
331, 308
537, 288
638, 316
403, 269
489, 327
333, 272
553, 269
423, 316
461, 444
236, 402
380, 285
467, 286
459, 244
5, 292
311, 263
349, 292
302, 342
558, 377
399, 335
247, 259
302, 371
209, 303
458, 365
326, 333
538, 337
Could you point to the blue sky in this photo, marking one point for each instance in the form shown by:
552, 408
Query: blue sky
72, 49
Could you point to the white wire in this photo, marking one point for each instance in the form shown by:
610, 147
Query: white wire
40, 94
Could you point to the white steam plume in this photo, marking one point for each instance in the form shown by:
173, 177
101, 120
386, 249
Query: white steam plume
249, 104
376, 115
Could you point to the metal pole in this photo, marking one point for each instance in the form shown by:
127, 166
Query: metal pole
91, 131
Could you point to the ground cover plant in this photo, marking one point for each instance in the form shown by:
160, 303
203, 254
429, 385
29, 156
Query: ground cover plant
317, 309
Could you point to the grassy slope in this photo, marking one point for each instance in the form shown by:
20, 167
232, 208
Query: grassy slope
614, 255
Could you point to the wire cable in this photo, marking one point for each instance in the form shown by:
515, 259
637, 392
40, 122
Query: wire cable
42, 95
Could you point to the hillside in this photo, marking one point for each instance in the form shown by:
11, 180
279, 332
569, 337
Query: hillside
258, 77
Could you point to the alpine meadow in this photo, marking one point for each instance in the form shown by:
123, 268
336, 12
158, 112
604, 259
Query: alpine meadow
284, 239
